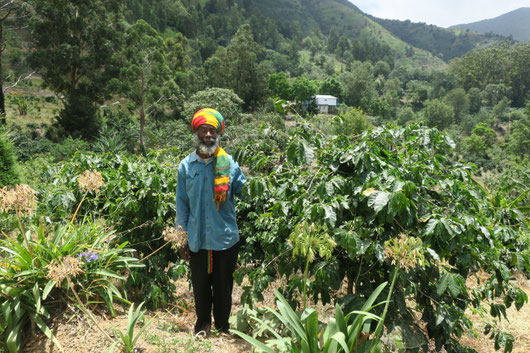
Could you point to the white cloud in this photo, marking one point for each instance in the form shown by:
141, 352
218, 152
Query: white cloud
442, 13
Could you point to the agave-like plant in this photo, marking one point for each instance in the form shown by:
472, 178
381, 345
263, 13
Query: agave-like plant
79, 263
129, 339
305, 334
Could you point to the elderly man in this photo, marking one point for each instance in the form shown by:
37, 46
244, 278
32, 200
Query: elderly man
208, 179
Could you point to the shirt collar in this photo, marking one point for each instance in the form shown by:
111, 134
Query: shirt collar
194, 157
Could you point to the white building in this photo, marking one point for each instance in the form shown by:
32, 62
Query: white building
326, 103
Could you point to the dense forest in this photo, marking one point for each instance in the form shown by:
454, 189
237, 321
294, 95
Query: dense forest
420, 180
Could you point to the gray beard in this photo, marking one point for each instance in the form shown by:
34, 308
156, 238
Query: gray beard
204, 148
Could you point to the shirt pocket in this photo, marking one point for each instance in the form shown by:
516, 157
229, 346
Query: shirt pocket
192, 180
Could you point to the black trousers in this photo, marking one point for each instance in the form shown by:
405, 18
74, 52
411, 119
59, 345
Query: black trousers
213, 289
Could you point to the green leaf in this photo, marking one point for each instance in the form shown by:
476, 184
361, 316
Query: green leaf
291, 154
433, 253
46, 330
340, 338
13, 338
454, 285
113, 347
108, 273
432, 227
378, 200
47, 289
329, 214
254, 341
308, 152
442, 285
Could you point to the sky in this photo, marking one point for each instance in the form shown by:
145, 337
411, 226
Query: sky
443, 13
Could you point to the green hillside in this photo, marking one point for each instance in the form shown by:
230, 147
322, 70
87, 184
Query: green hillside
444, 43
272, 19
320, 17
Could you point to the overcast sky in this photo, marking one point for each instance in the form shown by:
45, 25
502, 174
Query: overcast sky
443, 13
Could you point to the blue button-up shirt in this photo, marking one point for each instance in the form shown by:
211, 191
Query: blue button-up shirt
207, 227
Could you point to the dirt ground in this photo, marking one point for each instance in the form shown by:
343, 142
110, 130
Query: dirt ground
171, 331
518, 325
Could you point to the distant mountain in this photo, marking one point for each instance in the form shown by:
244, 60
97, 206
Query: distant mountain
515, 24
441, 42
323, 17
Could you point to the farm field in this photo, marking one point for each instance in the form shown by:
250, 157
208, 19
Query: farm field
399, 222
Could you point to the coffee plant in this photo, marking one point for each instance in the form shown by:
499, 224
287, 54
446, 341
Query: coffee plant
371, 189
138, 200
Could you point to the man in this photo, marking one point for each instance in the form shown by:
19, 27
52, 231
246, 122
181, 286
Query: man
207, 181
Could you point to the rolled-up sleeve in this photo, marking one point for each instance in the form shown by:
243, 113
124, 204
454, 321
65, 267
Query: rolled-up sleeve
238, 179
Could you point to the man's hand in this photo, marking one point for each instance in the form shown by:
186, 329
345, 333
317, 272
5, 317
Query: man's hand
184, 252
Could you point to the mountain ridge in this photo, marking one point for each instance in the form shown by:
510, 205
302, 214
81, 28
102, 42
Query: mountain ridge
515, 24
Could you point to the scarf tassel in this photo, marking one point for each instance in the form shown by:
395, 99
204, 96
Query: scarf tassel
210, 262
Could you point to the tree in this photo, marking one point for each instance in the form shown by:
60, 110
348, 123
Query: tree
237, 67
333, 40
405, 116
279, 87
486, 133
74, 43
520, 137
476, 146
8, 171
352, 122
145, 75
303, 89
381, 68
478, 68
9, 9
475, 99
332, 87
501, 108
519, 74
458, 100
494, 92
438, 114
392, 91
358, 85
223, 100
343, 47
418, 92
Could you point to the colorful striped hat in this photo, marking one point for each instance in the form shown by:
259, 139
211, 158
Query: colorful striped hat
208, 116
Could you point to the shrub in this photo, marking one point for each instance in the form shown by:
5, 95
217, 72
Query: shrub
353, 122
9, 175
172, 133
438, 114
225, 101
49, 263
367, 192
405, 115
138, 199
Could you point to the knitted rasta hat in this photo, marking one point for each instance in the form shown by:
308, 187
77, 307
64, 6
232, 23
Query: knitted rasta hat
208, 116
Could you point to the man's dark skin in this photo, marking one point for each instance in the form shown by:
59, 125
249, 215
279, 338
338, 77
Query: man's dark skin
207, 135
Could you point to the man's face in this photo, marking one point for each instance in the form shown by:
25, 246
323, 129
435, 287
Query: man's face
207, 134
206, 139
